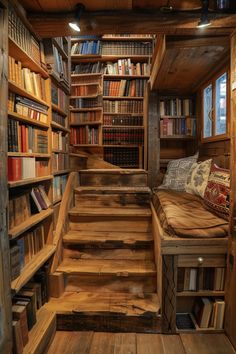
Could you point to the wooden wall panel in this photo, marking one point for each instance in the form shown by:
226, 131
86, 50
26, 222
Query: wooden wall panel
5, 292
219, 151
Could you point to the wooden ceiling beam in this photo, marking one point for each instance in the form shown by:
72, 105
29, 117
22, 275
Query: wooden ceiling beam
223, 41
130, 21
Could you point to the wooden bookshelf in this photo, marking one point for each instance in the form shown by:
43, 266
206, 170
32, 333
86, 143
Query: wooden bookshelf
24, 182
28, 120
59, 127
61, 172
31, 267
44, 156
59, 110
75, 58
204, 293
13, 87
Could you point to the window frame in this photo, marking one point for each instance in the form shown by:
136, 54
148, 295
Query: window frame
212, 82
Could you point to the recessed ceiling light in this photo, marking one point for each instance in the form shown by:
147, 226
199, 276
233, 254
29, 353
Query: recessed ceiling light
74, 26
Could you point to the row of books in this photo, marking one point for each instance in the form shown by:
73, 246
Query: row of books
178, 126
58, 186
25, 305
123, 136
27, 108
126, 48
63, 43
59, 119
84, 117
22, 36
197, 279
84, 90
59, 98
59, 141
95, 79
23, 205
60, 162
176, 107
130, 88
124, 106
123, 157
25, 248
60, 65
86, 68
84, 135
92, 47
26, 79
26, 167
122, 120
26, 138
87, 102
209, 313
126, 67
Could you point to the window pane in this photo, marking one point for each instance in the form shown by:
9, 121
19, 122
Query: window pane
221, 87
207, 111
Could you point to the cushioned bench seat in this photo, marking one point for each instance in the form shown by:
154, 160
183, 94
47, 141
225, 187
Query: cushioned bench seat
184, 215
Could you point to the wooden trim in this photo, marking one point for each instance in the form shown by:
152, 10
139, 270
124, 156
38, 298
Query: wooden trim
158, 55
61, 227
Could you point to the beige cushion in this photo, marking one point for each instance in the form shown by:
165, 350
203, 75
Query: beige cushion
198, 177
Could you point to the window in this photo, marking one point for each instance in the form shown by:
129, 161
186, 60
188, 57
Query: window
215, 107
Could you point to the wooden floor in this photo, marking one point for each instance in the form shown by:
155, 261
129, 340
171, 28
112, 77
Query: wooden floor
131, 343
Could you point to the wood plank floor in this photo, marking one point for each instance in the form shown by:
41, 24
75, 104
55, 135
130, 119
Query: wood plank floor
131, 343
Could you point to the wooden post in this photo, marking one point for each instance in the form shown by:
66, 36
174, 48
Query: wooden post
153, 139
5, 289
169, 281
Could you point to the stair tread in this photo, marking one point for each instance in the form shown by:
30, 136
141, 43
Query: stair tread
110, 303
113, 189
106, 236
107, 267
117, 211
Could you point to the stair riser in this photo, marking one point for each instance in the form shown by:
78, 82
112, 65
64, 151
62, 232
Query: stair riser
108, 245
125, 254
105, 179
112, 200
104, 224
109, 284
111, 323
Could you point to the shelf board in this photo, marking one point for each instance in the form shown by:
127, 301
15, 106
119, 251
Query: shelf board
122, 98
59, 127
86, 74
13, 87
42, 332
87, 145
59, 151
117, 76
85, 123
86, 109
31, 267
127, 39
28, 120
86, 84
59, 110
60, 49
124, 126
26, 154
23, 182
176, 137
175, 117
19, 54
200, 293
61, 172
123, 114
86, 96
79, 154
93, 58
57, 200
30, 222
122, 146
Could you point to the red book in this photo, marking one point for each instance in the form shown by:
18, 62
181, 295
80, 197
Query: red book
14, 168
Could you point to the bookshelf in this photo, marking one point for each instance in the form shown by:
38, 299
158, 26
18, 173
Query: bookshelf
116, 69
30, 213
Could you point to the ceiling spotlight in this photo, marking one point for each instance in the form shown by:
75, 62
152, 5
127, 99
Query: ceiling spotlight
204, 21
78, 12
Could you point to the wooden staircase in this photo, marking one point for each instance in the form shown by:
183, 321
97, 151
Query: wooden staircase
108, 269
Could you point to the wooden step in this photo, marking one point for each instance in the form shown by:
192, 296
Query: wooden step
104, 196
107, 267
111, 212
107, 312
108, 239
113, 177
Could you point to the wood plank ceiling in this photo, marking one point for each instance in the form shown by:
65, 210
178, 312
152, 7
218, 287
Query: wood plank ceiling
50, 18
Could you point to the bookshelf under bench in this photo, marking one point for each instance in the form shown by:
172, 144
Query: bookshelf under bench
191, 276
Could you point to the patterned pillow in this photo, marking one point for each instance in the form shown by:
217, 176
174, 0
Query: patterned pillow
177, 172
198, 177
216, 196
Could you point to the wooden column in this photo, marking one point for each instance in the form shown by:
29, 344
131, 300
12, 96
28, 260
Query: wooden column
5, 290
169, 282
231, 284
153, 139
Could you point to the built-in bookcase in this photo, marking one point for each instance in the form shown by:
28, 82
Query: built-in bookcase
109, 76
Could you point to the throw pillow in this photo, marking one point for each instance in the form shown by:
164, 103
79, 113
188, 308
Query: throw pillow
216, 196
198, 177
177, 172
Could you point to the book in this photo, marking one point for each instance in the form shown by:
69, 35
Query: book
219, 314
17, 338
19, 314
202, 311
